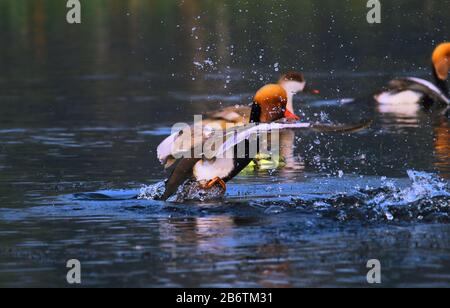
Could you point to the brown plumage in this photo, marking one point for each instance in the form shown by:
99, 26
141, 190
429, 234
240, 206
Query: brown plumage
292, 76
237, 115
269, 106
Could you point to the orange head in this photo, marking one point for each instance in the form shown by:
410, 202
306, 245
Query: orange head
441, 61
270, 105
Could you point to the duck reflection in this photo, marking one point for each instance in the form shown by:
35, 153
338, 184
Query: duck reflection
282, 158
222, 241
207, 233
442, 147
394, 115
277, 273
403, 114
287, 151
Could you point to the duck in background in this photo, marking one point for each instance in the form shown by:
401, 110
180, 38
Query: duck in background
404, 96
292, 82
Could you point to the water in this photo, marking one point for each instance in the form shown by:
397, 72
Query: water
82, 109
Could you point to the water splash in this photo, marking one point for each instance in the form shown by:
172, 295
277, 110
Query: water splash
427, 194
189, 191
427, 199
152, 192
193, 191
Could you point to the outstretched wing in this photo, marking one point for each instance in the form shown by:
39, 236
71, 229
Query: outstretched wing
169, 148
231, 140
181, 143
237, 136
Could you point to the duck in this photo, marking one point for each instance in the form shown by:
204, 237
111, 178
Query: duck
270, 104
290, 83
412, 91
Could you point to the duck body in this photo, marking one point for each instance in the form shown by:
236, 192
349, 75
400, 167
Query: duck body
204, 174
200, 176
194, 169
410, 90
208, 171
407, 92
289, 84
235, 116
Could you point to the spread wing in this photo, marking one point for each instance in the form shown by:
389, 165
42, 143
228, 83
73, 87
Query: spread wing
218, 119
218, 144
181, 143
237, 135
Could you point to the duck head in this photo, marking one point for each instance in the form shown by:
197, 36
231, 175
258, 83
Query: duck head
441, 65
270, 105
294, 83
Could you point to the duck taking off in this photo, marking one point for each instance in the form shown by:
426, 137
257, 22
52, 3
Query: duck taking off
410, 90
270, 105
290, 83
196, 172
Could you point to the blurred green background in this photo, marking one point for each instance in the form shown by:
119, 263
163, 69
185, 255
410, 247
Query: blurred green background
166, 35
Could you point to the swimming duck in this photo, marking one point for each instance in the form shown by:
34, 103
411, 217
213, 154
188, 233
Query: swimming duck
410, 90
270, 105
291, 83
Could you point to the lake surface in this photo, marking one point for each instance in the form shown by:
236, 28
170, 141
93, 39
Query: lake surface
83, 107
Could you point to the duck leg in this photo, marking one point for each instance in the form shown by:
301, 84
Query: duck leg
215, 181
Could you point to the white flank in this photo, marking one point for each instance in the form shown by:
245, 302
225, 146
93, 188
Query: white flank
206, 170
401, 98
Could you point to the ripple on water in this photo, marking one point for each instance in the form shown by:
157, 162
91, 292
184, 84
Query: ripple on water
426, 198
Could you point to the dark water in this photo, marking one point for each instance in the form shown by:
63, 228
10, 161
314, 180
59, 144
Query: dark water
82, 108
